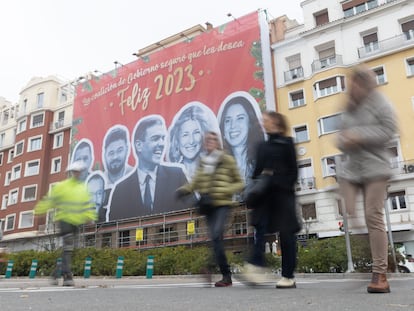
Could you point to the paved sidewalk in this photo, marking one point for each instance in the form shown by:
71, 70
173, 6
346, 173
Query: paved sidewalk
106, 281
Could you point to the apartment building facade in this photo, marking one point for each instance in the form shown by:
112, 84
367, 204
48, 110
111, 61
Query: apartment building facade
34, 152
312, 61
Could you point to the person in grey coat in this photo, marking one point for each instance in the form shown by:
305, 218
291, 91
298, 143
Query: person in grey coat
368, 125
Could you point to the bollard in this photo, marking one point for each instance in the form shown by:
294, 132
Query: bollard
150, 267
119, 267
9, 269
87, 269
33, 269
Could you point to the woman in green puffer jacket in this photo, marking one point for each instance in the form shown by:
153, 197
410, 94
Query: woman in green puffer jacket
218, 176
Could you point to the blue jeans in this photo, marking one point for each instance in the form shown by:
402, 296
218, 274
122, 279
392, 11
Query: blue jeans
287, 245
216, 222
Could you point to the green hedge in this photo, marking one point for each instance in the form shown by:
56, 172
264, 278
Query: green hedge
324, 255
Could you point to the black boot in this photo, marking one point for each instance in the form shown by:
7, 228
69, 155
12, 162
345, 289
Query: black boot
225, 281
68, 279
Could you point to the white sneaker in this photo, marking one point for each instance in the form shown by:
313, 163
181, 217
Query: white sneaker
286, 283
252, 274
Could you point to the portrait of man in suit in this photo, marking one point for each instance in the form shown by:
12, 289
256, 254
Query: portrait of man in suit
150, 189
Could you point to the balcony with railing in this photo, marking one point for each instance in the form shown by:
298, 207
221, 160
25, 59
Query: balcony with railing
377, 47
303, 184
320, 64
402, 167
58, 125
293, 74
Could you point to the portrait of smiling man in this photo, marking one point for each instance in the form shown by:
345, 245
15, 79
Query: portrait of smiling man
151, 188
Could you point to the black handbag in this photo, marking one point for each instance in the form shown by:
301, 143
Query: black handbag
256, 190
205, 204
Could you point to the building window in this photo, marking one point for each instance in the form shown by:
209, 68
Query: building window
329, 124
22, 126
301, 134
397, 200
124, 238
61, 116
380, 75
354, 7
19, 147
308, 211
16, 172
1, 158
410, 66
327, 57
328, 166
329, 86
32, 168
37, 120
11, 156
57, 140
10, 222
35, 144
2, 139
295, 68
370, 42
166, 235
29, 193
26, 219
63, 97
56, 165
239, 225
5, 117
321, 17
296, 99
40, 100
340, 208
306, 179
13, 196
4, 201
107, 239
408, 29
7, 178
90, 240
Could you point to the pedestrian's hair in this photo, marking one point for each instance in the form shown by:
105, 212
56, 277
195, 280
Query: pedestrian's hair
364, 76
114, 135
278, 119
142, 127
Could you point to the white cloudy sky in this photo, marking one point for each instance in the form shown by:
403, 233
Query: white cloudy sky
72, 37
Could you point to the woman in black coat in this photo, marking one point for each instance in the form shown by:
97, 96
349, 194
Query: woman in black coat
276, 210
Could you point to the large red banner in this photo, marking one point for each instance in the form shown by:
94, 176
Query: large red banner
213, 81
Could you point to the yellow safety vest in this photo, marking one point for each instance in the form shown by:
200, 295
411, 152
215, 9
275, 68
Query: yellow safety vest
72, 202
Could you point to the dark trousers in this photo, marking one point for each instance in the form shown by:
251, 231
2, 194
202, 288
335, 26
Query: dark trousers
287, 245
68, 233
216, 222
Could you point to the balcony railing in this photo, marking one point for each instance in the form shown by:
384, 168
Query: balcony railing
293, 74
385, 45
58, 125
403, 167
319, 64
305, 184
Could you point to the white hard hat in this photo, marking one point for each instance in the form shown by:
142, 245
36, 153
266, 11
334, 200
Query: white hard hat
76, 166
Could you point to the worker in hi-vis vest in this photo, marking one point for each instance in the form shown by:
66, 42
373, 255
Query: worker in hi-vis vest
73, 207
